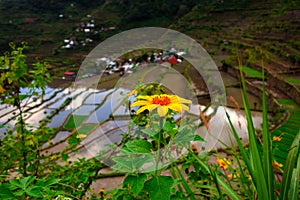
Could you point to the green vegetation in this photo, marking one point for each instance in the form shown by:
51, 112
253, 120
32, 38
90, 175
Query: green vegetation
251, 73
248, 172
287, 131
292, 80
85, 129
75, 121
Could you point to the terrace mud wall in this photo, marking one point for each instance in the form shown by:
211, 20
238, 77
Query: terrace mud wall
290, 90
256, 90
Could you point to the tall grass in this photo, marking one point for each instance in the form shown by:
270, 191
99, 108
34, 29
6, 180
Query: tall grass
257, 160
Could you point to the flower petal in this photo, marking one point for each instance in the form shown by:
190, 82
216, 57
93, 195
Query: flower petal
140, 103
147, 107
149, 98
162, 110
175, 107
182, 100
184, 107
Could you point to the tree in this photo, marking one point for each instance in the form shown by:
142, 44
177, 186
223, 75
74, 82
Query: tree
20, 144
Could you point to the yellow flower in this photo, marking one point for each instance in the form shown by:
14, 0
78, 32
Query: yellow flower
81, 136
133, 92
277, 165
223, 162
101, 191
276, 138
249, 177
231, 176
162, 102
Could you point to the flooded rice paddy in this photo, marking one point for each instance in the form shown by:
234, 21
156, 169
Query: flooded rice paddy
101, 115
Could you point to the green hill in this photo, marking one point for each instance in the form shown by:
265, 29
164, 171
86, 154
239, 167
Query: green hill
221, 27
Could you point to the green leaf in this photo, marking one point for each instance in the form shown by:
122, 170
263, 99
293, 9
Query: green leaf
294, 190
139, 161
25, 182
47, 183
15, 184
183, 137
227, 188
136, 182
159, 187
34, 191
290, 164
65, 156
19, 193
170, 128
122, 164
149, 132
198, 138
139, 146
267, 144
255, 166
5, 193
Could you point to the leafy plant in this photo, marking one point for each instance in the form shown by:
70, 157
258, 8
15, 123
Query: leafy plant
29, 187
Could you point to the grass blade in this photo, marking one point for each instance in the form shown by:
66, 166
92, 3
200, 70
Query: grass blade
240, 145
267, 144
294, 190
227, 189
290, 164
255, 156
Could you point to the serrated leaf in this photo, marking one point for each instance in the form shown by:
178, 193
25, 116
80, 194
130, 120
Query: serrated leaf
122, 164
159, 187
136, 182
139, 161
139, 146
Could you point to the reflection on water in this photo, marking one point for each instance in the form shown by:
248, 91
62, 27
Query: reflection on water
254, 102
100, 105
77, 101
84, 110
101, 114
35, 118
219, 134
6, 109
60, 136
59, 119
97, 98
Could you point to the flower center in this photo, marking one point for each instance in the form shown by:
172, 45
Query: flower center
161, 100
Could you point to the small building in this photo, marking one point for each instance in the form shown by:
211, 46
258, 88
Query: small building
69, 76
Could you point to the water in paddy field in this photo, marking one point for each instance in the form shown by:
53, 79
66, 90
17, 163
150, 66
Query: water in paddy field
98, 108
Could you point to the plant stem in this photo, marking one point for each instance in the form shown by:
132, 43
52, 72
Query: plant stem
22, 124
157, 172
